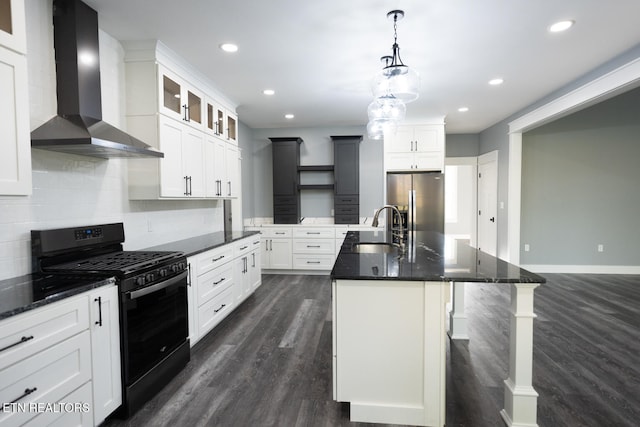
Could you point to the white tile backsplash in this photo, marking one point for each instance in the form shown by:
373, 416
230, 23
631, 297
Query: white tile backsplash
70, 190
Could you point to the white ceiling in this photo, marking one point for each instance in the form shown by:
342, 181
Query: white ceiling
319, 55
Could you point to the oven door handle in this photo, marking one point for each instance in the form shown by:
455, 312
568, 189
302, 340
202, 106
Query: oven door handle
153, 288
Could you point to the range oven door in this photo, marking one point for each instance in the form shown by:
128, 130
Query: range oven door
154, 323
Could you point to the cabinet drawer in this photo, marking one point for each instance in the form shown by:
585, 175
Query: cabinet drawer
341, 232
314, 233
285, 200
346, 200
216, 309
347, 210
313, 262
214, 258
51, 374
215, 281
80, 416
347, 219
242, 247
38, 329
320, 246
277, 232
285, 209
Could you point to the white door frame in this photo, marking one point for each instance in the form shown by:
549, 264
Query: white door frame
490, 157
620, 80
473, 162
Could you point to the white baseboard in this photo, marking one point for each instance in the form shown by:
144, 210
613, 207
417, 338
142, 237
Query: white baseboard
583, 269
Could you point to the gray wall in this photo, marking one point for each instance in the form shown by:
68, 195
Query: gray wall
580, 177
496, 137
317, 149
462, 145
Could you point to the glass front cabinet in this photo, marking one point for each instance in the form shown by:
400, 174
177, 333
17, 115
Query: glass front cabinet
179, 100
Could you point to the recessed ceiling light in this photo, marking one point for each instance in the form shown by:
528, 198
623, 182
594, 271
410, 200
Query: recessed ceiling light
268, 91
229, 47
463, 109
496, 82
289, 116
561, 26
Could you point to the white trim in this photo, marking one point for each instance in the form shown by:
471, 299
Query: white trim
583, 269
514, 198
606, 86
491, 156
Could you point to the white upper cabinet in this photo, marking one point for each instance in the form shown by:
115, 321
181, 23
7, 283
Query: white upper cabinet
15, 162
12, 25
170, 108
413, 148
180, 100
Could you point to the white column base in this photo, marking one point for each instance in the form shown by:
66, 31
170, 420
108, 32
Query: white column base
458, 316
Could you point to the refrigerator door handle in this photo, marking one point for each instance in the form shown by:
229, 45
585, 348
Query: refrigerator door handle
413, 210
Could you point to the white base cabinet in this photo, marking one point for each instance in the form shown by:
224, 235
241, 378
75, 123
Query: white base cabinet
220, 279
65, 350
389, 350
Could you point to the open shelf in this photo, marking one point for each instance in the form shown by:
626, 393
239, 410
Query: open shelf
315, 168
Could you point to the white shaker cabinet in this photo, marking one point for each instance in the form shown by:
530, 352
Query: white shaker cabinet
419, 147
180, 100
104, 325
182, 168
169, 107
15, 140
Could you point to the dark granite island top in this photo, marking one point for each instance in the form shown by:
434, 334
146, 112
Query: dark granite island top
389, 326
195, 245
424, 260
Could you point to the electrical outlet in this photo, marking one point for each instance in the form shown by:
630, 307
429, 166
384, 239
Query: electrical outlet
526, 247
600, 247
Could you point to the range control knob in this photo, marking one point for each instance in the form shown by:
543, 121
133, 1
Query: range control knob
140, 281
150, 277
163, 272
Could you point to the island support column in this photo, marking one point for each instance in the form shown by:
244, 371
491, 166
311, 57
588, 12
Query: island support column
520, 399
458, 316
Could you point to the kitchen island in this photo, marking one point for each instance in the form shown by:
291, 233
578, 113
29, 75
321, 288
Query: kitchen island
389, 326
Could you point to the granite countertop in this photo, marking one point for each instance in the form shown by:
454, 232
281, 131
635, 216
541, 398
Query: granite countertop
425, 260
198, 244
24, 293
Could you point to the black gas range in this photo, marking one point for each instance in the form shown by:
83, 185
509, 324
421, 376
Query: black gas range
153, 300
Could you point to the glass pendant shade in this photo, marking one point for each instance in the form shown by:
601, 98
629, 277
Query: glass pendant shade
387, 107
377, 128
398, 81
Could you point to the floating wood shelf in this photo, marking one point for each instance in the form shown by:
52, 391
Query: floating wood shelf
315, 168
315, 187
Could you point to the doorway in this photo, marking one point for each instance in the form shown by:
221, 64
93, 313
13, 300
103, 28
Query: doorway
487, 218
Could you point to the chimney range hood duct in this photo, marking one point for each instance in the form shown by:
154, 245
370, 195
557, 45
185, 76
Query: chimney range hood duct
78, 128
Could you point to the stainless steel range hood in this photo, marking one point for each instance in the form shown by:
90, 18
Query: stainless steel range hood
78, 128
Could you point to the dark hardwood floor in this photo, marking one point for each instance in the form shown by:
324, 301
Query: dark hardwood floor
269, 362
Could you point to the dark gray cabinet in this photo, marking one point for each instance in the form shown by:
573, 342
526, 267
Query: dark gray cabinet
286, 179
346, 170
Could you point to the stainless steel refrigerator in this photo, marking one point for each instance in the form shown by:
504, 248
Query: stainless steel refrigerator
419, 196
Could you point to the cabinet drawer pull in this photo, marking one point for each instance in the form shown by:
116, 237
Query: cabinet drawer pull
313, 262
257, 242
217, 259
243, 248
279, 232
27, 392
313, 246
221, 307
219, 281
313, 232
23, 339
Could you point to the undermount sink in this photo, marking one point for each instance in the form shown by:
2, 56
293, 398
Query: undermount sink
375, 248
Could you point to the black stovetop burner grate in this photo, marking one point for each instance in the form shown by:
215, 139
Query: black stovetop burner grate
116, 262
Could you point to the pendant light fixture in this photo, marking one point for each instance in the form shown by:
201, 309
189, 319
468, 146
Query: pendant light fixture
396, 78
